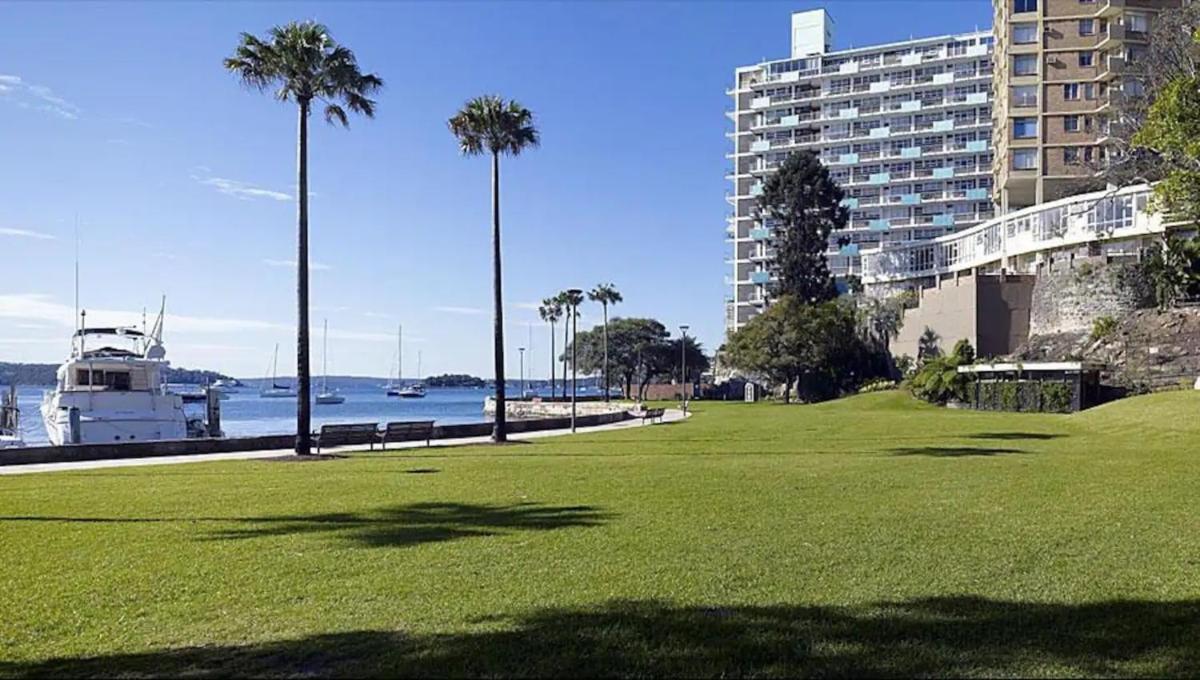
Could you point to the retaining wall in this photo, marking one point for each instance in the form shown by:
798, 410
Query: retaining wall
194, 447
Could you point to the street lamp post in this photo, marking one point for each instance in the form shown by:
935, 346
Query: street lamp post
683, 365
575, 294
522, 351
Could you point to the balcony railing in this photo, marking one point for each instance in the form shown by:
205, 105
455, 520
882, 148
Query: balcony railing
1067, 222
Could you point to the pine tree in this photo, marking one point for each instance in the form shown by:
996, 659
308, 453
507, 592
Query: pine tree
805, 203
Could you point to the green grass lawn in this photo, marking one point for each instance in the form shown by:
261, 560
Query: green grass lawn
869, 536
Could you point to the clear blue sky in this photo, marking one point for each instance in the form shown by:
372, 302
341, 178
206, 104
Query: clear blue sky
122, 114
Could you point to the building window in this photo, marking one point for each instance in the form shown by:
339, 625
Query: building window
1024, 128
1071, 123
1071, 155
1138, 23
1024, 159
1071, 91
1025, 34
1087, 59
1089, 91
1024, 96
1087, 26
1025, 5
1025, 65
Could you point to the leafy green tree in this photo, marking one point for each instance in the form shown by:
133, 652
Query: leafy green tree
551, 312
605, 294
1171, 129
1174, 270
301, 63
938, 379
805, 203
635, 351
491, 125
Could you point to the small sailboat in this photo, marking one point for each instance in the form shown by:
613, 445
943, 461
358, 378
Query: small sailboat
10, 420
416, 390
277, 391
395, 388
327, 396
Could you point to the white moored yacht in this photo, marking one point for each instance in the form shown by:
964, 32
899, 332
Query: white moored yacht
107, 393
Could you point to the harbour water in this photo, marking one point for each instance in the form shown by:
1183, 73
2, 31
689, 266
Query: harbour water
244, 413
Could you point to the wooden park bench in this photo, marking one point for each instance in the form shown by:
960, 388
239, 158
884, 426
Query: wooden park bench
652, 413
341, 435
406, 431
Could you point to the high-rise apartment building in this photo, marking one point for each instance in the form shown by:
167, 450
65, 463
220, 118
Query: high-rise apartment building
1059, 66
904, 128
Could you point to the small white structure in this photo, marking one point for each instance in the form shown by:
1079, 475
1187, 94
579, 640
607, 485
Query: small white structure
109, 393
10, 420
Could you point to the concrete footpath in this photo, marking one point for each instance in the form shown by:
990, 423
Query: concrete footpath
671, 415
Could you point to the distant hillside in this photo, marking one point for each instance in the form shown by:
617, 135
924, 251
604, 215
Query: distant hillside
43, 374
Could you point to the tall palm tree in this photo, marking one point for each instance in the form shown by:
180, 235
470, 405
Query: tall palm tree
489, 124
571, 302
606, 294
551, 311
301, 63
564, 300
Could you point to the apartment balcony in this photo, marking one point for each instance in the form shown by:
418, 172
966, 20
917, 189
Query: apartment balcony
760, 277
760, 234
1110, 8
756, 190
850, 202
910, 152
942, 173
879, 133
943, 220
879, 178
847, 113
941, 126
848, 158
760, 102
879, 87
880, 224
760, 146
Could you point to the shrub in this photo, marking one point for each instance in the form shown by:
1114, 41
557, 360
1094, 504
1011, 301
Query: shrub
1103, 327
1056, 397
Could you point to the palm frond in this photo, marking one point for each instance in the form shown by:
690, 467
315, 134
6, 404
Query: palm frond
489, 123
300, 61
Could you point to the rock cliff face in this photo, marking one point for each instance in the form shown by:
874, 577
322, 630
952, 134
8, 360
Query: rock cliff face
1147, 349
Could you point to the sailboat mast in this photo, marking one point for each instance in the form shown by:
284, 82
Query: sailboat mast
400, 355
325, 359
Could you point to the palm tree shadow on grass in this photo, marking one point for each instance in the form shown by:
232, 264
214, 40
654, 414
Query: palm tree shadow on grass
403, 525
419, 523
944, 636
952, 451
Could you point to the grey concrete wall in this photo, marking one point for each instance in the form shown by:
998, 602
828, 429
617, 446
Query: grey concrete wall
1003, 305
990, 311
948, 308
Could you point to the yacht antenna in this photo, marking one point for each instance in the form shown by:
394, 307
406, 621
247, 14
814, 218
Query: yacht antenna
78, 319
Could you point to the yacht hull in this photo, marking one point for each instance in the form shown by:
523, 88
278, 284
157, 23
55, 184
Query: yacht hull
110, 417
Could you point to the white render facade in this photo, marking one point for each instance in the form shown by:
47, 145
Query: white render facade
904, 128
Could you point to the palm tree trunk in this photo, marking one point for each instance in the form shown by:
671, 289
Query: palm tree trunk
303, 402
566, 344
552, 362
498, 432
605, 305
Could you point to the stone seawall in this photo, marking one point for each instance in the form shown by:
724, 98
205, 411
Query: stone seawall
520, 409
1071, 294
